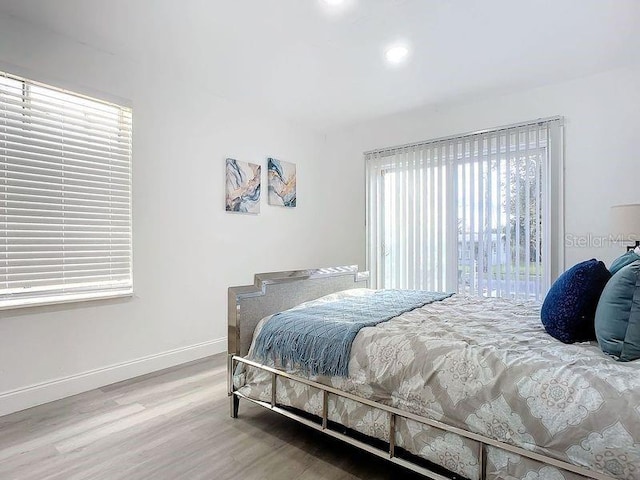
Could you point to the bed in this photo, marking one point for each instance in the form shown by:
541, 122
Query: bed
463, 387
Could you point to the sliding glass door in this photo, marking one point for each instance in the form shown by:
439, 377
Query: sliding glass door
469, 214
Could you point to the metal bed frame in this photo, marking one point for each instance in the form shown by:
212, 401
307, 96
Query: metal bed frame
277, 291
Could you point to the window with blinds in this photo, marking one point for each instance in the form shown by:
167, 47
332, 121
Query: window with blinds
65, 195
471, 213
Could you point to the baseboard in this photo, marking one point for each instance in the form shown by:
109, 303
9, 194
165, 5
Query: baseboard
27, 397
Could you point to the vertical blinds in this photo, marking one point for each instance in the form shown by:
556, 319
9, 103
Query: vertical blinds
65, 195
468, 214
409, 198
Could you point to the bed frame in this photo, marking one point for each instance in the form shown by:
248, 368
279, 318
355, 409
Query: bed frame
277, 291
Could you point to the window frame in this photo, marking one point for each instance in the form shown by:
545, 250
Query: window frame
79, 291
553, 191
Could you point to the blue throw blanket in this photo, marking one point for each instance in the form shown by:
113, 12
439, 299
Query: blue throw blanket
318, 338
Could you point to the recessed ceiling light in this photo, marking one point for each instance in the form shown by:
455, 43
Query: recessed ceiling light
336, 6
396, 54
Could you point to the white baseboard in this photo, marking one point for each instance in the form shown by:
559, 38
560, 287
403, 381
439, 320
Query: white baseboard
27, 397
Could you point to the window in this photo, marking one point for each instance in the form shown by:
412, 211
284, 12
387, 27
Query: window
65, 195
478, 213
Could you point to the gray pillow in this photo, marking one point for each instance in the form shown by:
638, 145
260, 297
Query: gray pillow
618, 314
623, 261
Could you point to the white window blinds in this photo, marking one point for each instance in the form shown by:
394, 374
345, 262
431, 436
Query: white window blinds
477, 213
65, 195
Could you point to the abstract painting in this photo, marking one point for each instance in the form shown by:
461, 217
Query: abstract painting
243, 186
282, 183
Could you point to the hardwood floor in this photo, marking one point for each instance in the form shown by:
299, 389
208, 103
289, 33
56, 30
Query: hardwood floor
170, 425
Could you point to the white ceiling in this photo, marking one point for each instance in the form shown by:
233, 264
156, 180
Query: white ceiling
326, 69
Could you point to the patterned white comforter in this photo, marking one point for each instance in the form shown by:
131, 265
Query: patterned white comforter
485, 365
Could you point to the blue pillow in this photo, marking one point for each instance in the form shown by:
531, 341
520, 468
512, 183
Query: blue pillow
618, 314
623, 261
570, 306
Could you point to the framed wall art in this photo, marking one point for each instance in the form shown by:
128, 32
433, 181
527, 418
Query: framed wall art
282, 183
243, 186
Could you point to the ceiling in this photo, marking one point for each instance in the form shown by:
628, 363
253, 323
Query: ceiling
325, 68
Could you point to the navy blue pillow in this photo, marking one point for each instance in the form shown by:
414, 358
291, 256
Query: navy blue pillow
569, 308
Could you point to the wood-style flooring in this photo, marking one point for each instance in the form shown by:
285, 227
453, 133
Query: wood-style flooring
171, 425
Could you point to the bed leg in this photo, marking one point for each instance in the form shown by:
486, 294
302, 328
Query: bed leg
234, 401
483, 461
234, 404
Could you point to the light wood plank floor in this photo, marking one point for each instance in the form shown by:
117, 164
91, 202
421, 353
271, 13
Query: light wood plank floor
171, 425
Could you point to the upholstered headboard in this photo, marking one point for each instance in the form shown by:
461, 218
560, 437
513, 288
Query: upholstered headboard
277, 291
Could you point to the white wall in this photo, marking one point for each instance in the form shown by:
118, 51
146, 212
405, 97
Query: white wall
187, 250
602, 160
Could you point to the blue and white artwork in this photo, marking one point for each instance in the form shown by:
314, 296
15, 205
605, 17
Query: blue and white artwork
243, 187
282, 183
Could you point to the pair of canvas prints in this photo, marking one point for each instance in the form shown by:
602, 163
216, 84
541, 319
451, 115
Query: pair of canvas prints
244, 185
